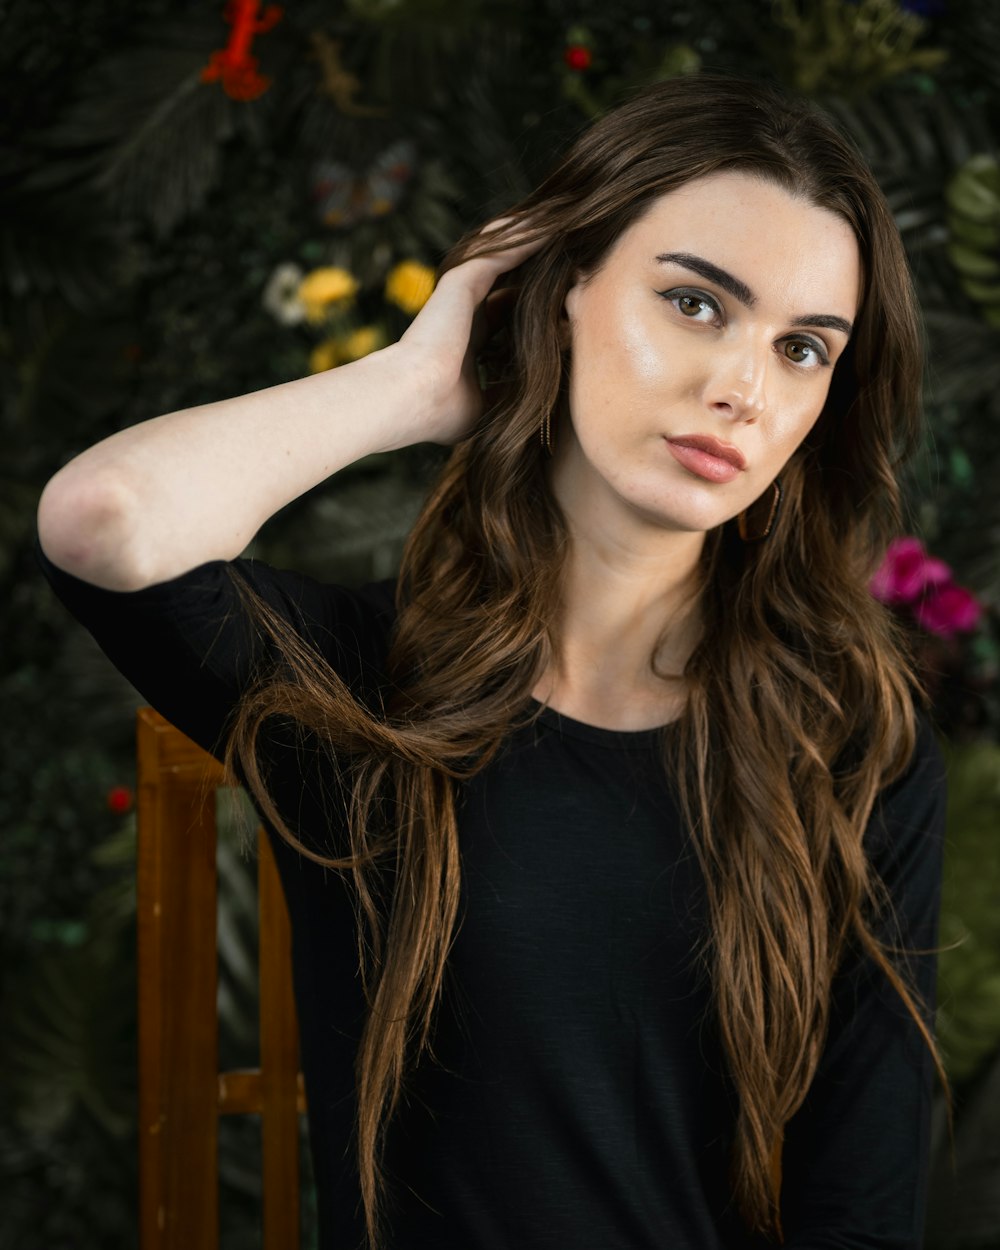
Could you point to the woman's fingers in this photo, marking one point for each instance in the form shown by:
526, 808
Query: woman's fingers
516, 249
479, 275
463, 313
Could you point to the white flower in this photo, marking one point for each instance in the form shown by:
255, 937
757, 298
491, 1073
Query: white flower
281, 295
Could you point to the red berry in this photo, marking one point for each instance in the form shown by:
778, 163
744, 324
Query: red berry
119, 799
577, 56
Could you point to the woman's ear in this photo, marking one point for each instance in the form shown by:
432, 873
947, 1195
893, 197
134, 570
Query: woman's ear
566, 314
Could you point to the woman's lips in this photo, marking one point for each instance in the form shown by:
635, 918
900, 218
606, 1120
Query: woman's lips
712, 468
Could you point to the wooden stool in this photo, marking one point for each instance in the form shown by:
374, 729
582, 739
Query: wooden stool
181, 1091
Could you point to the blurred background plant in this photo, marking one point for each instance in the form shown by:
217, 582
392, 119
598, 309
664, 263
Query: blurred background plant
186, 216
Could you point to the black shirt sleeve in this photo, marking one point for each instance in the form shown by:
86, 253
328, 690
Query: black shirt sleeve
857, 1154
188, 646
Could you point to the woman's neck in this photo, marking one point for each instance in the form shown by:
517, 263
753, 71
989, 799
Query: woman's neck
624, 603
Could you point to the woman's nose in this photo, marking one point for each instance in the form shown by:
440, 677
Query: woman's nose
738, 385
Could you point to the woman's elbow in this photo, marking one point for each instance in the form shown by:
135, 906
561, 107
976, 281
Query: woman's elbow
83, 528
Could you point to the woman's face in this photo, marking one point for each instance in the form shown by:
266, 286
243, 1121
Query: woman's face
720, 314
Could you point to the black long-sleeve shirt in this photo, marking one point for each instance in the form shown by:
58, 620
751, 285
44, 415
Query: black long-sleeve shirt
580, 1098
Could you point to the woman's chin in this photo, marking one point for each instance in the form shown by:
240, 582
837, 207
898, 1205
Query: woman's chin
681, 516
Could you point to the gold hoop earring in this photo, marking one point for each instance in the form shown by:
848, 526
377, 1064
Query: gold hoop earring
741, 518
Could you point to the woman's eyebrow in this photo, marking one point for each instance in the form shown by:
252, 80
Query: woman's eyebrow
697, 264
739, 290
825, 321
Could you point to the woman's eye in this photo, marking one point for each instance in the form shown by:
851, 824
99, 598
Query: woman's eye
693, 306
803, 352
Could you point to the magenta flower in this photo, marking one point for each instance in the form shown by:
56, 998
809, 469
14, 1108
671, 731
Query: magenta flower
909, 576
907, 572
948, 609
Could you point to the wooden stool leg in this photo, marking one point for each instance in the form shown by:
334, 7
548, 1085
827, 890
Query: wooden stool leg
178, 1028
279, 1060
181, 1091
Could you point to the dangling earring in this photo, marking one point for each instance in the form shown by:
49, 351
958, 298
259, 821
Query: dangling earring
741, 519
546, 428
546, 432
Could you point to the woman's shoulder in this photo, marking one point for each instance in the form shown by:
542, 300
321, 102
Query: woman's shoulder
925, 761
198, 602
191, 645
349, 625
909, 816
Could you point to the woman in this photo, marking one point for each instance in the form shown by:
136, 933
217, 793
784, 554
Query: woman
634, 806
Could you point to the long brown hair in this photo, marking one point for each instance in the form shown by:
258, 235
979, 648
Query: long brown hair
793, 642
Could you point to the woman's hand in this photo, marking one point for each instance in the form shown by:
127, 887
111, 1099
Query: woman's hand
451, 329
160, 497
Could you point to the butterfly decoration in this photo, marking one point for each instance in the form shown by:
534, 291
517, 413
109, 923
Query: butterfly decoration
234, 64
345, 196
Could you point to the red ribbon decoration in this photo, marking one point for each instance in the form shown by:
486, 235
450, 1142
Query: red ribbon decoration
233, 64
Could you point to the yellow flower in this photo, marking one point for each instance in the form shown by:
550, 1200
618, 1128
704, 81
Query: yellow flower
409, 285
323, 287
362, 342
324, 355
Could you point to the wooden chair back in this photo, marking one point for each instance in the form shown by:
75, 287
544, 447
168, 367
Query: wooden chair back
181, 1091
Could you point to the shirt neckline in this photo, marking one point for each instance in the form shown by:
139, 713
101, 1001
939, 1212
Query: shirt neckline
616, 739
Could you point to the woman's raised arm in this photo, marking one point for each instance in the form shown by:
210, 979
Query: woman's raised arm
154, 500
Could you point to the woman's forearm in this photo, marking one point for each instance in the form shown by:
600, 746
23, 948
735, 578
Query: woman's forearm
152, 501
155, 500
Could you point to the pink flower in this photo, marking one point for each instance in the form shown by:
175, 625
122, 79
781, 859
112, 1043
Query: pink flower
907, 572
908, 575
947, 610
